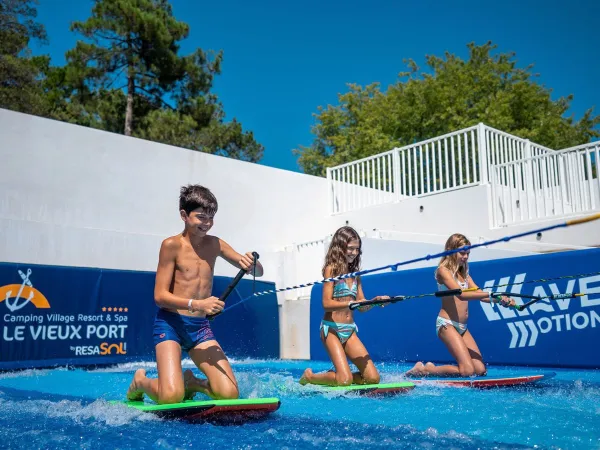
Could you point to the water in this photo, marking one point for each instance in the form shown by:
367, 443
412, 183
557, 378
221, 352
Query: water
69, 409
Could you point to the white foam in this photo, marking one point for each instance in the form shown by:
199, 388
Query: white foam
29, 373
186, 363
127, 367
99, 411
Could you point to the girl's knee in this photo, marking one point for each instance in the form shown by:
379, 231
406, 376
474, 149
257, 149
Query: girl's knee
479, 368
171, 394
343, 379
466, 370
371, 376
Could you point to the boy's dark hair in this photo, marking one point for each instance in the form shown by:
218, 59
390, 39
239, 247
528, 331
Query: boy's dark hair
194, 196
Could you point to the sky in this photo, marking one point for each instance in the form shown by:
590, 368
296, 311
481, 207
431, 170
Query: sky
284, 59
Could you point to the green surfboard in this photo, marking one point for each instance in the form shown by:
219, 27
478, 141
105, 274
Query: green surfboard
374, 389
234, 410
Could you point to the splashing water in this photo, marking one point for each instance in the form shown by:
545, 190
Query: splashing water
70, 409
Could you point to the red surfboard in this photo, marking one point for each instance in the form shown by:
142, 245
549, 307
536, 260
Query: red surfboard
487, 381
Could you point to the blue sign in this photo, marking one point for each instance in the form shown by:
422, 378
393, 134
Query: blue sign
558, 333
52, 315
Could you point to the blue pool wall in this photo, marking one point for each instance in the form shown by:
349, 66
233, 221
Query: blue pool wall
85, 316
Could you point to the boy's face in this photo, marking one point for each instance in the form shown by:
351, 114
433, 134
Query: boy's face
198, 222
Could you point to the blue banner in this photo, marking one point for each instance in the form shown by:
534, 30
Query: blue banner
51, 315
557, 333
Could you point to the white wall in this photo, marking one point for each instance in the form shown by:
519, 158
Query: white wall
71, 195
76, 196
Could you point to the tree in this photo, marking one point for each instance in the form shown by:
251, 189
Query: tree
454, 94
20, 73
128, 77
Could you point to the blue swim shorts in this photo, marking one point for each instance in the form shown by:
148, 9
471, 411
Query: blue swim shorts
185, 330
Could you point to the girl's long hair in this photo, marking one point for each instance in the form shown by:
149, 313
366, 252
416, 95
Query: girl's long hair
336, 254
450, 262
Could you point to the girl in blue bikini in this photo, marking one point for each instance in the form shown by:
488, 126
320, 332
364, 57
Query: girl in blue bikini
451, 322
338, 330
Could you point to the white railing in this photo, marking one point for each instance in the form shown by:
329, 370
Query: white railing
366, 182
554, 184
452, 161
440, 164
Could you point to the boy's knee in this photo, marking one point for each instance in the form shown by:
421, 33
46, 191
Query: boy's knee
171, 395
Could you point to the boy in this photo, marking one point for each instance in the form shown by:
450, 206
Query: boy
183, 294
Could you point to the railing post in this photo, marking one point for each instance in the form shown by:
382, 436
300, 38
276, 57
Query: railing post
482, 147
493, 197
527, 149
529, 181
397, 175
329, 191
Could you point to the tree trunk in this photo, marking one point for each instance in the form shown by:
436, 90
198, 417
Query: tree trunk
129, 110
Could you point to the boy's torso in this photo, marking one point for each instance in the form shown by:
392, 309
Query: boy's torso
194, 268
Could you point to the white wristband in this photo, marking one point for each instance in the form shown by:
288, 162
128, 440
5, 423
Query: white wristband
190, 305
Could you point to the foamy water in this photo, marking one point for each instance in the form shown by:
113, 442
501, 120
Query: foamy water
70, 409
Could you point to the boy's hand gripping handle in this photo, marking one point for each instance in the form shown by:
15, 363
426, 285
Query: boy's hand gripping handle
232, 285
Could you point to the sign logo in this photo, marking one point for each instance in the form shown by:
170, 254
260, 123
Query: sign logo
546, 316
43, 318
17, 296
103, 349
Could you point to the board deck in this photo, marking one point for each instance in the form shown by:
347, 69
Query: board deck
486, 381
234, 410
373, 390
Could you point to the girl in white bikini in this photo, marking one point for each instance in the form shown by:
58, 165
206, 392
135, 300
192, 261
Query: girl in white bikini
451, 323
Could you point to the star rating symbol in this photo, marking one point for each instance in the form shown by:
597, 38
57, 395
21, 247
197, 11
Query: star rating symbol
115, 309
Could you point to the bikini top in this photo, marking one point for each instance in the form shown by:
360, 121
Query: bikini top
341, 289
443, 287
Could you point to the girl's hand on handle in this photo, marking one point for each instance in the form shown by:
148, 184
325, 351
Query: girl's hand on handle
382, 297
507, 302
363, 308
379, 297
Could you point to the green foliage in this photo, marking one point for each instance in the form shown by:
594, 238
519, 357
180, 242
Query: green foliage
225, 139
20, 87
128, 77
453, 94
